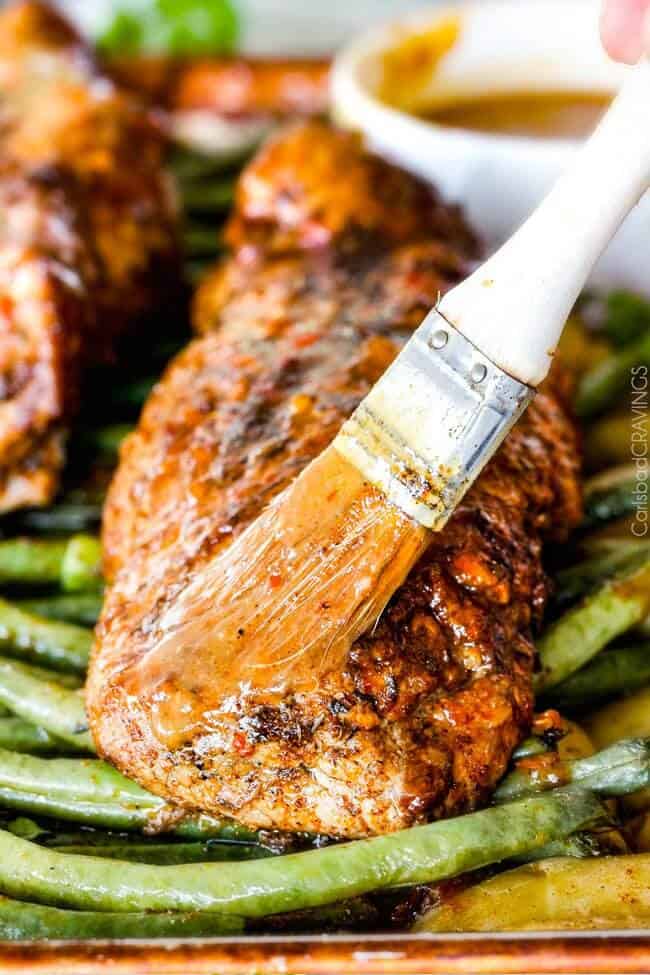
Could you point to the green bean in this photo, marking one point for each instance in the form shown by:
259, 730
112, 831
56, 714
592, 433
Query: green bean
602, 385
619, 770
627, 317
356, 914
70, 681
82, 608
610, 478
193, 831
167, 347
613, 494
94, 793
584, 630
579, 846
59, 519
597, 545
579, 579
21, 921
191, 167
424, 854
73, 563
608, 675
61, 646
200, 826
614, 502
29, 829
18, 735
81, 568
201, 241
135, 393
29, 560
107, 815
169, 853
106, 440
85, 779
529, 747
209, 197
45, 703
196, 270
80, 834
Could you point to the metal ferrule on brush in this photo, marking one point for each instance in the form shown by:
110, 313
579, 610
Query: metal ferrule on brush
432, 421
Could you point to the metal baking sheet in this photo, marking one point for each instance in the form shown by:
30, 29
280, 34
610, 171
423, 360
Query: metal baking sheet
463, 954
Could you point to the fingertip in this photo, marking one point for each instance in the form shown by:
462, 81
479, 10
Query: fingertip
621, 29
646, 33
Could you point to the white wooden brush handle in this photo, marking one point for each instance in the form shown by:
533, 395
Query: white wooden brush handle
513, 308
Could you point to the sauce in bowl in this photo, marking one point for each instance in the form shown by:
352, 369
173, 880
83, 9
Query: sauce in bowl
541, 115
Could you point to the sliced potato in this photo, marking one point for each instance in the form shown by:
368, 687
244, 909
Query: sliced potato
608, 441
581, 349
627, 717
575, 744
560, 895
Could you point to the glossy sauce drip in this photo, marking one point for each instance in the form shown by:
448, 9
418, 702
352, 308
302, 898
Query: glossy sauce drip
538, 115
280, 607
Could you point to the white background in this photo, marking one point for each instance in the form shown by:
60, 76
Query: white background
285, 26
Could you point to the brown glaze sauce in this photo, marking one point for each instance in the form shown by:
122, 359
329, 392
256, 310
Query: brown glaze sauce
545, 771
283, 604
538, 115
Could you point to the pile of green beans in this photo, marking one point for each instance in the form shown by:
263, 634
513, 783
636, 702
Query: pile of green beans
423, 854
92, 792
20, 921
600, 387
46, 703
17, 735
64, 518
611, 674
583, 577
59, 645
619, 770
207, 193
165, 853
584, 630
615, 500
82, 608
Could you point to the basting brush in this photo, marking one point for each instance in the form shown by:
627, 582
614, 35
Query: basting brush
284, 602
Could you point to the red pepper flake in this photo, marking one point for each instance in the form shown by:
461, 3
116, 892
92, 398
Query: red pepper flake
306, 339
275, 579
242, 360
6, 307
242, 745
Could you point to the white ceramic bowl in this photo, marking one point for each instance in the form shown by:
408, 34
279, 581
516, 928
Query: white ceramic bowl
502, 46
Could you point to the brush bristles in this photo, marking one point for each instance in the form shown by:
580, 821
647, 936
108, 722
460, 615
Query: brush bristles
282, 605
